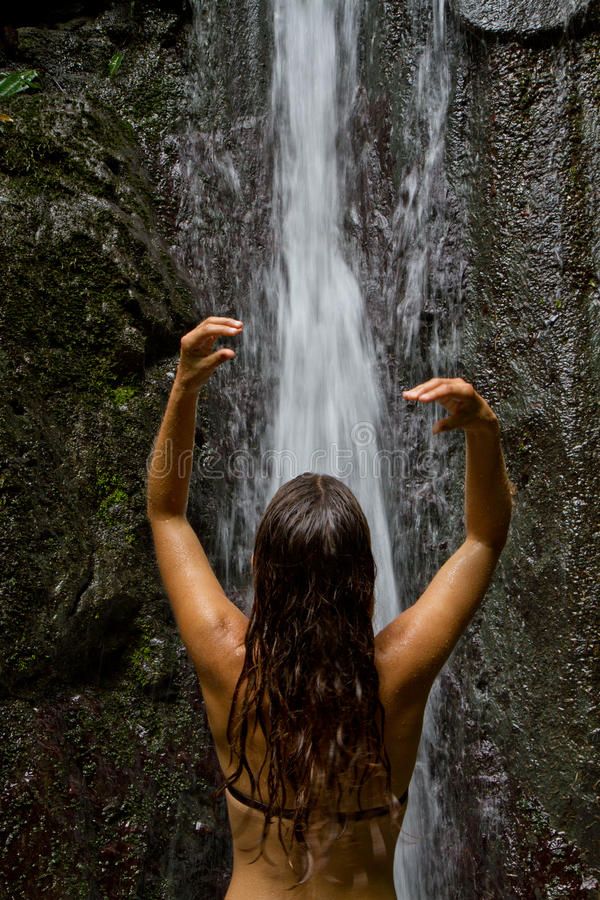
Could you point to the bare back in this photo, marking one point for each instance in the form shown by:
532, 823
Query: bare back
409, 654
360, 862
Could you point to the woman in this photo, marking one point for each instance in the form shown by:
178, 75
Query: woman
316, 721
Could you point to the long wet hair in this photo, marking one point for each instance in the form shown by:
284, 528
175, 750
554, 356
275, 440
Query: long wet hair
309, 680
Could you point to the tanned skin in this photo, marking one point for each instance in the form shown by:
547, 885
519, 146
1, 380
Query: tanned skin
409, 652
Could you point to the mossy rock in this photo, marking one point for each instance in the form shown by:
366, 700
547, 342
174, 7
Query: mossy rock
102, 722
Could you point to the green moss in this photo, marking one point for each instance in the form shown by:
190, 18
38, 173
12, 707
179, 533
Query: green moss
144, 658
112, 492
140, 661
24, 663
123, 394
117, 497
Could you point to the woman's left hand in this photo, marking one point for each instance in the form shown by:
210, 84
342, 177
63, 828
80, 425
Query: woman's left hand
198, 360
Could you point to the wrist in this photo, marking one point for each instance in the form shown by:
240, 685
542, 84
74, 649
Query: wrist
485, 423
186, 385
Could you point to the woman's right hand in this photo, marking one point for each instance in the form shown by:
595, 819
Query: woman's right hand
468, 410
198, 358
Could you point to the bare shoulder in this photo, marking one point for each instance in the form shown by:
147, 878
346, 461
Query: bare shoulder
225, 655
218, 682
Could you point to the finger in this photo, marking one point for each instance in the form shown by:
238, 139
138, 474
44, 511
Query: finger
216, 321
451, 389
216, 328
207, 333
422, 390
447, 424
415, 392
219, 356
224, 320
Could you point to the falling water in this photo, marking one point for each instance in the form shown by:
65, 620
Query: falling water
423, 305
328, 409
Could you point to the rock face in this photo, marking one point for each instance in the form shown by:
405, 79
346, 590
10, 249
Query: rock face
111, 248
531, 340
102, 728
520, 251
524, 18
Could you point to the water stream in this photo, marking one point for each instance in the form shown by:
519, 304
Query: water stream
327, 412
423, 311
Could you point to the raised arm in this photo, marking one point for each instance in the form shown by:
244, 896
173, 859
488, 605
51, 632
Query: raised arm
418, 642
209, 624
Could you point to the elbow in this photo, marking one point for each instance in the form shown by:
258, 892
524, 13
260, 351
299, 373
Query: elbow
161, 504
494, 530
162, 513
151, 514
494, 541
152, 511
500, 537
498, 542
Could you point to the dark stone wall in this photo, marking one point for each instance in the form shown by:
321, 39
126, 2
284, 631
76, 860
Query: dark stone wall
520, 253
531, 343
524, 18
106, 762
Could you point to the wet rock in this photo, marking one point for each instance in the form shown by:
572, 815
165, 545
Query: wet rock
522, 18
98, 697
532, 255
519, 258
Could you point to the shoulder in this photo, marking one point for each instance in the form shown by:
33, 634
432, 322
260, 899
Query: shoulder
398, 665
218, 657
218, 671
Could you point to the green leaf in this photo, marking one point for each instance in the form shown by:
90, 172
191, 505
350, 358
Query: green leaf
115, 63
15, 82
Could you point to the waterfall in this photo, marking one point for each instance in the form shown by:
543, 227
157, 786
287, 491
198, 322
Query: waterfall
272, 246
328, 408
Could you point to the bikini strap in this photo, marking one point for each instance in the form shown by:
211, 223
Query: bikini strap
257, 804
356, 816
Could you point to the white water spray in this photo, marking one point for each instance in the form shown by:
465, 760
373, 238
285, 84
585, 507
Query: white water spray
424, 861
328, 408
